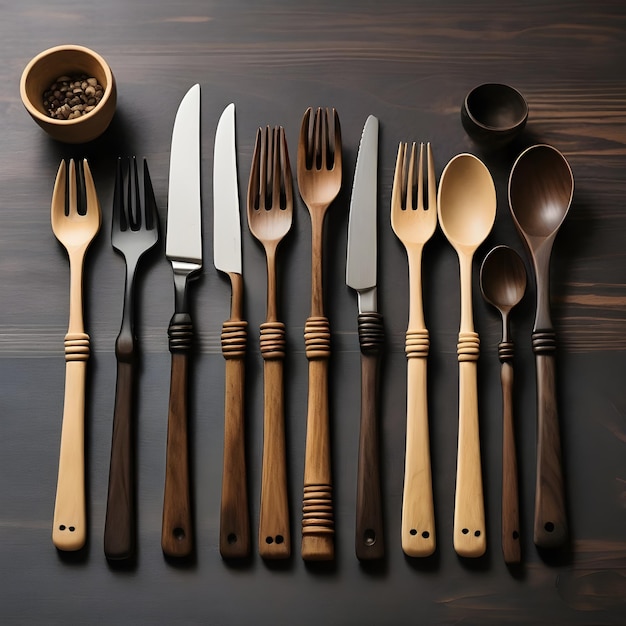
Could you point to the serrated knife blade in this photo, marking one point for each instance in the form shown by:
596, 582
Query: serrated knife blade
362, 250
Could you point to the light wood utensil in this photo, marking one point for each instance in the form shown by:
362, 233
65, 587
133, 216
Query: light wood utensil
75, 230
415, 225
541, 187
270, 213
503, 283
467, 211
319, 182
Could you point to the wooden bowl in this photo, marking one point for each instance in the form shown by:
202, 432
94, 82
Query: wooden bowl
494, 114
68, 60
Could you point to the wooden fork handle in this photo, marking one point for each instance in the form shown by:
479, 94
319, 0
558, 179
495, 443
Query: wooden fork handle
119, 526
318, 526
234, 514
369, 538
176, 532
511, 548
69, 530
418, 514
274, 533
550, 528
469, 510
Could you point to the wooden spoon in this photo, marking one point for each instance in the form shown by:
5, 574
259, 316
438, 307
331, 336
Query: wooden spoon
541, 186
467, 210
503, 283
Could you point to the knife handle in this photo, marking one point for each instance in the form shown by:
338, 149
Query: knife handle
369, 538
550, 516
511, 548
318, 525
119, 526
69, 529
274, 534
234, 514
418, 513
469, 510
176, 533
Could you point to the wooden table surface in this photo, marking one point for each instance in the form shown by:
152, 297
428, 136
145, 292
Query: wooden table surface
410, 64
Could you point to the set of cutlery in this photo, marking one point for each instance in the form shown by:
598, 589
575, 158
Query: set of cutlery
463, 204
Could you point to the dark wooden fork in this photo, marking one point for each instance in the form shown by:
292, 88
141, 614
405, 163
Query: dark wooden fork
134, 231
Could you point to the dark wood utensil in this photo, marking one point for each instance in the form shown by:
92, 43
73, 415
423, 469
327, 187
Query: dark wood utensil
134, 231
541, 186
503, 283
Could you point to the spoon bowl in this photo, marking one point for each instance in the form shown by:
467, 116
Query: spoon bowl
541, 187
503, 278
467, 202
540, 191
466, 205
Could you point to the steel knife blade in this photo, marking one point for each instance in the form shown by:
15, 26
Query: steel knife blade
184, 251
362, 250
226, 217
361, 275
184, 231
234, 515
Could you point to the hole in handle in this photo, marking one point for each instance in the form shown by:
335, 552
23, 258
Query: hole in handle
179, 534
369, 537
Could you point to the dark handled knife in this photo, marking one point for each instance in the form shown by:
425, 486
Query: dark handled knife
361, 276
234, 516
183, 249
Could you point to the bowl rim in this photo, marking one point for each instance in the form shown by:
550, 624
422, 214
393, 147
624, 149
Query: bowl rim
36, 113
497, 129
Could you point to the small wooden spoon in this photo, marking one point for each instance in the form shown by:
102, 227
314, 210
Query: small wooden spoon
541, 186
467, 210
503, 283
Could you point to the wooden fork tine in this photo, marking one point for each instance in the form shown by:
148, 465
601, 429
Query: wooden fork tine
432, 184
150, 205
72, 204
410, 179
58, 194
420, 179
286, 168
336, 140
253, 182
397, 192
276, 171
263, 169
134, 200
90, 190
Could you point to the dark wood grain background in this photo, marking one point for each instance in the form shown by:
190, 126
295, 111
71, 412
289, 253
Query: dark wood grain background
410, 64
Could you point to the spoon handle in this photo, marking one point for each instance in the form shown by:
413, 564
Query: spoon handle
469, 511
550, 529
511, 548
418, 514
274, 534
369, 543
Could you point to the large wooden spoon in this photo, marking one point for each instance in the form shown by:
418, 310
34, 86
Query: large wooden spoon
541, 186
467, 210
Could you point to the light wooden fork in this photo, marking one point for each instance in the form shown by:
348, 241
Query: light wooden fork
319, 181
270, 212
414, 222
75, 231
